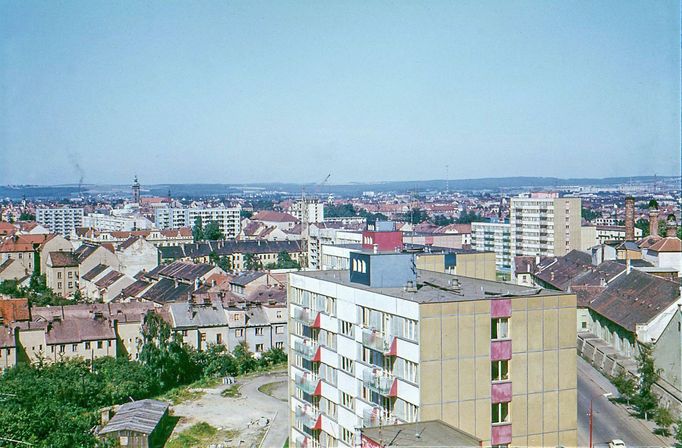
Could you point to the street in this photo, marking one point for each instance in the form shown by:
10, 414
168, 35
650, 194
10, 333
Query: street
610, 421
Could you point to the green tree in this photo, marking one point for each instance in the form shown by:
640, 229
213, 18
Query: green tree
252, 262
340, 211
165, 354
284, 261
223, 262
27, 217
678, 433
589, 214
244, 358
645, 400
198, 229
643, 225
469, 217
664, 419
625, 384
212, 232
245, 214
415, 216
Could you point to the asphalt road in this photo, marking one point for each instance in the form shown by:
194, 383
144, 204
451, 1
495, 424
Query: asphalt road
610, 421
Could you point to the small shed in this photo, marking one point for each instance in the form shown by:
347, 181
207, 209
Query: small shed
140, 424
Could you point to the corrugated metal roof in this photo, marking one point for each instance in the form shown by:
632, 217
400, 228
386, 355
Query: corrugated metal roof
140, 416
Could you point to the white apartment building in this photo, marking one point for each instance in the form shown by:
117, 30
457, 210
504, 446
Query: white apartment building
113, 223
228, 218
62, 220
382, 344
544, 224
312, 207
493, 237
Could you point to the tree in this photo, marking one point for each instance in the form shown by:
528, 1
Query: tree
589, 214
442, 220
27, 217
198, 229
643, 224
340, 211
245, 214
416, 216
223, 262
252, 262
165, 354
678, 433
664, 419
625, 385
284, 261
645, 400
212, 232
469, 217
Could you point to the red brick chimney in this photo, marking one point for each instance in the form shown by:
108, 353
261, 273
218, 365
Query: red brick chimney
671, 226
653, 220
629, 218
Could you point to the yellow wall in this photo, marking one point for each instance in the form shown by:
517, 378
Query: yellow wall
455, 368
476, 265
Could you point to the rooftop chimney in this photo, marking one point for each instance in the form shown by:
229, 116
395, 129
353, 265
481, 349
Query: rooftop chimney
653, 219
671, 226
628, 266
629, 218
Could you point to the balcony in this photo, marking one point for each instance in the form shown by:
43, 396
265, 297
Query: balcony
307, 317
306, 442
309, 417
308, 383
308, 348
377, 416
377, 341
379, 381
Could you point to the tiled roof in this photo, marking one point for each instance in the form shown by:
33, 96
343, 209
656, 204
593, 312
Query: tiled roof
668, 244
109, 279
635, 298
222, 248
166, 291
129, 242
84, 251
6, 264
191, 315
648, 241
61, 259
75, 330
184, 271
273, 216
94, 272
134, 289
559, 271
12, 310
246, 278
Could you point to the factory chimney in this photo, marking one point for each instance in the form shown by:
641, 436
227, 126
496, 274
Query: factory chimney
629, 218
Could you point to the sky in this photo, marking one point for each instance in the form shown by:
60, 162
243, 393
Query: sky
254, 91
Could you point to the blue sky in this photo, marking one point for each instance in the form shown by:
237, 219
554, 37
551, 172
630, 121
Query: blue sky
221, 91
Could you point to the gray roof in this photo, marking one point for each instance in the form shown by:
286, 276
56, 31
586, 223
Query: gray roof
431, 434
140, 416
246, 278
434, 287
94, 272
198, 316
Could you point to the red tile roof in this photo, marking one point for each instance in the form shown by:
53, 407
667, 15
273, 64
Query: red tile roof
668, 244
12, 310
63, 259
273, 216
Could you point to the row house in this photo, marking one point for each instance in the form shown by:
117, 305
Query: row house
157, 237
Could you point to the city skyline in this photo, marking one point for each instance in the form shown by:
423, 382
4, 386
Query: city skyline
242, 93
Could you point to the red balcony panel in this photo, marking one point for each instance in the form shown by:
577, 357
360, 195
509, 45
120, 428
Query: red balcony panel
393, 349
394, 389
500, 350
501, 392
500, 308
316, 322
318, 355
501, 434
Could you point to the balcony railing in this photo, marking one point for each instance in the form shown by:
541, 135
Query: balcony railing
306, 316
376, 340
306, 442
307, 382
307, 348
308, 416
377, 416
378, 380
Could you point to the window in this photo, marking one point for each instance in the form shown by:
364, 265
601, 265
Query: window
279, 345
346, 328
259, 331
59, 275
219, 338
347, 401
184, 333
259, 348
279, 329
238, 333
499, 328
347, 436
279, 314
99, 344
584, 325
59, 285
74, 347
70, 285
70, 274
202, 337
347, 364
87, 345
61, 348
500, 370
500, 412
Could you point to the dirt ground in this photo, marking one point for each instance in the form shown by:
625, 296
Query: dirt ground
244, 420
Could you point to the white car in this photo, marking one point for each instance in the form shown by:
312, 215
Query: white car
617, 443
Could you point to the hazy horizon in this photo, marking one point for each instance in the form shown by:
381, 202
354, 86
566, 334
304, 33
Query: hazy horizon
288, 92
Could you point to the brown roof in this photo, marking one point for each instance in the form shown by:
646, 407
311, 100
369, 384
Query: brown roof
129, 242
7, 337
134, 289
75, 330
6, 228
559, 271
61, 259
648, 241
273, 216
668, 244
12, 310
635, 298
94, 272
109, 279
524, 264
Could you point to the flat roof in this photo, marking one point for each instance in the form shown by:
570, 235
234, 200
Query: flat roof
436, 287
433, 433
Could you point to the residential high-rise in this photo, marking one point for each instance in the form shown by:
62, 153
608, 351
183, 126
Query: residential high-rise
386, 343
62, 220
311, 207
228, 218
544, 224
495, 237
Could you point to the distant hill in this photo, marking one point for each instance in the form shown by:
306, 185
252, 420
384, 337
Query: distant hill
16, 192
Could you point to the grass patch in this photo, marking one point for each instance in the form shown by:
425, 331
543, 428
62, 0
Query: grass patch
200, 435
286, 443
232, 391
181, 394
268, 388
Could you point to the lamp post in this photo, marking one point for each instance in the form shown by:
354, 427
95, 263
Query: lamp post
606, 395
